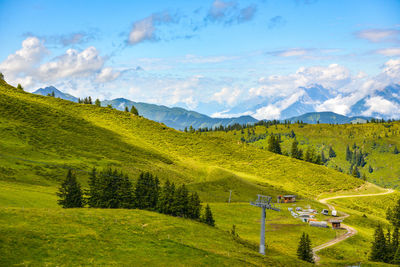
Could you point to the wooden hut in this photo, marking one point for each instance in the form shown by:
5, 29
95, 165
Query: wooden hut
289, 198
336, 224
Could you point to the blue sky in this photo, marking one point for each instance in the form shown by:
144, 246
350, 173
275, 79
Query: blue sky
210, 56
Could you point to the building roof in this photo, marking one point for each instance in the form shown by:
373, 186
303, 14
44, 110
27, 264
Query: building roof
289, 196
335, 221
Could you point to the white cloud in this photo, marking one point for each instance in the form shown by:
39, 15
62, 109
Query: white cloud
382, 106
145, 29
72, 64
227, 95
331, 77
391, 70
18, 67
107, 75
378, 35
394, 51
339, 104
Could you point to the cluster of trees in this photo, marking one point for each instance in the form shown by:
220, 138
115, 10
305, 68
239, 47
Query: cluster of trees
385, 247
356, 157
274, 144
304, 250
52, 94
113, 189
86, 100
133, 110
310, 155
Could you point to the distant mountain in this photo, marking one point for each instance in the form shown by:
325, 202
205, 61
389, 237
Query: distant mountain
177, 118
390, 95
57, 93
328, 117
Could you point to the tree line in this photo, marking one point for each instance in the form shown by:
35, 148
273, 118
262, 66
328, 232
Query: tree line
113, 189
385, 247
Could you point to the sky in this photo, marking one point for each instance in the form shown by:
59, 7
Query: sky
215, 57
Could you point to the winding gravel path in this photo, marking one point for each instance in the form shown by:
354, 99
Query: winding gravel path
350, 230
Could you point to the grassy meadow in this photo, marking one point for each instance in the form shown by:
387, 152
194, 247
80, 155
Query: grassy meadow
42, 137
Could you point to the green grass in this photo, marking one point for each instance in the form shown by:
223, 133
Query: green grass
41, 137
376, 139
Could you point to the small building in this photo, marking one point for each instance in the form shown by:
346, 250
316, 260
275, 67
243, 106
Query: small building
322, 224
336, 224
325, 212
289, 198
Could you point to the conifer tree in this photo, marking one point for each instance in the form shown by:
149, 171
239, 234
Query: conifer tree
332, 153
370, 170
94, 190
126, 109
70, 193
97, 102
304, 250
323, 159
295, 152
1, 76
208, 217
52, 94
396, 257
378, 249
349, 154
395, 151
19, 86
194, 206
355, 172
393, 214
181, 202
134, 111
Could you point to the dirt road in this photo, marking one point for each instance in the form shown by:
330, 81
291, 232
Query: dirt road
350, 230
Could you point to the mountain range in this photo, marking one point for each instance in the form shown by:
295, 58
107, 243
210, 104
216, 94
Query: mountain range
174, 117
303, 108
382, 103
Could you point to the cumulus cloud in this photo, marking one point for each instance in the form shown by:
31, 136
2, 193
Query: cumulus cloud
379, 35
227, 95
229, 12
145, 29
72, 64
380, 105
332, 76
23, 60
107, 75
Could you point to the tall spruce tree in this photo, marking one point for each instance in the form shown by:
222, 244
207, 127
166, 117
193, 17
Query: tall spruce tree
332, 153
70, 192
194, 206
97, 102
378, 249
304, 250
134, 110
208, 217
295, 152
94, 190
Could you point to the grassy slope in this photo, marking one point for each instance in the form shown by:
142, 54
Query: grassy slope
378, 140
60, 134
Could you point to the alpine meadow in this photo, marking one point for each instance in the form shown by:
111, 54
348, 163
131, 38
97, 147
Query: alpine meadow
200, 133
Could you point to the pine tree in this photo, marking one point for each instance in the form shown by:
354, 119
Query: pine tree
295, 152
134, 111
355, 172
378, 249
349, 154
19, 86
393, 214
52, 94
70, 193
90, 100
396, 257
194, 206
208, 217
126, 109
309, 154
304, 250
125, 192
395, 151
94, 190
332, 153
97, 102
323, 159
1, 76
370, 170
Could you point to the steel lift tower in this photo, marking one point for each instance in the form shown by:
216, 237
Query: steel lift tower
263, 202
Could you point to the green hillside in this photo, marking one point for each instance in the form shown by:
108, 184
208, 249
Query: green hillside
377, 141
42, 137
